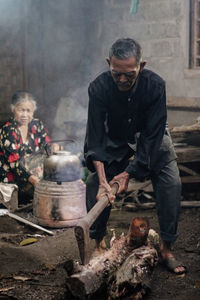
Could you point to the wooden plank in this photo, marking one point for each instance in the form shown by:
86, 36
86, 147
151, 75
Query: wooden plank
150, 205
188, 154
183, 103
188, 170
185, 133
190, 179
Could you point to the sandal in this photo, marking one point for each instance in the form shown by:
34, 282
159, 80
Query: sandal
172, 263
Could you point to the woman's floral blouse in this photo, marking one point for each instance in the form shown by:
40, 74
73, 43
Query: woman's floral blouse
13, 151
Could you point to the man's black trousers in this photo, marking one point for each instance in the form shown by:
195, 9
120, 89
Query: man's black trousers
167, 188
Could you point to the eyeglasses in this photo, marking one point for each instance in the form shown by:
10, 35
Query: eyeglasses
128, 75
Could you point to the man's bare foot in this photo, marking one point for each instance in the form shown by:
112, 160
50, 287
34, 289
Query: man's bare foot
168, 258
100, 247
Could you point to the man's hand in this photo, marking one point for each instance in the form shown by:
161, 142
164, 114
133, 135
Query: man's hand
105, 190
104, 187
122, 179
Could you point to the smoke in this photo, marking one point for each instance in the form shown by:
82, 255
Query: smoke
50, 49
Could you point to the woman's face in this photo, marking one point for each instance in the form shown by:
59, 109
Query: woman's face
23, 112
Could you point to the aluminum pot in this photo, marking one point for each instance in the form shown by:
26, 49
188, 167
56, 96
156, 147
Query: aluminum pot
62, 166
59, 205
59, 199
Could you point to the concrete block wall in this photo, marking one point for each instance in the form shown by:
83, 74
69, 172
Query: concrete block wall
162, 28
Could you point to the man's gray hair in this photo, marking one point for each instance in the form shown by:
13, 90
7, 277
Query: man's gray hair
126, 48
21, 96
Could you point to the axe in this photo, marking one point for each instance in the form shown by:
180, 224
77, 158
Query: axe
82, 228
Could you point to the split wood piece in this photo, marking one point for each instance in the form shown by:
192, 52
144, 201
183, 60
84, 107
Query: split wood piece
84, 281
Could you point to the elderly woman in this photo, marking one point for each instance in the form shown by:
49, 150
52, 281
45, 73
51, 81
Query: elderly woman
21, 137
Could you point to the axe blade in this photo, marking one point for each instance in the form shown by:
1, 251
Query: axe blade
82, 237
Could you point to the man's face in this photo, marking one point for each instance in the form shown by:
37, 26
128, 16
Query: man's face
124, 72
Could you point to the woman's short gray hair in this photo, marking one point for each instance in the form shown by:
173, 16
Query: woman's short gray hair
21, 96
125, 48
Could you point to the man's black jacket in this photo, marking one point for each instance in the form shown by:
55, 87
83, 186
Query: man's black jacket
117, 120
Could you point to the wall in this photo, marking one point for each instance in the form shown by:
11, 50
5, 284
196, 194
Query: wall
162, 28
55, 48
11, 53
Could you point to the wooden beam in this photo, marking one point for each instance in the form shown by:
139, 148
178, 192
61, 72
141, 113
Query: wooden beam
188, 170
190, 179
188, 154
183, 103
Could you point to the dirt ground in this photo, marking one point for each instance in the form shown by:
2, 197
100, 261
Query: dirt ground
36, 271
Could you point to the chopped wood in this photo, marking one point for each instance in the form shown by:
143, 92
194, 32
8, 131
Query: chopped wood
95, 275
101, 272
133, 277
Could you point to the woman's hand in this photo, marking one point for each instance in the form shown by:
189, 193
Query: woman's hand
55, 147
33, 180
122, 179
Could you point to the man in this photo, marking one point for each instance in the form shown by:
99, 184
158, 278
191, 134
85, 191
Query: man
127, 115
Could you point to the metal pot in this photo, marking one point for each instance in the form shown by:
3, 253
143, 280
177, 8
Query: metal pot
59, 199
62, 166
59, 205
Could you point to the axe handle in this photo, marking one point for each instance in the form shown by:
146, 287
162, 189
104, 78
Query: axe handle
99, 206
82, 228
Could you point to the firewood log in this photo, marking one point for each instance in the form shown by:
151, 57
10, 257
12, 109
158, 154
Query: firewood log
100, 272
132, 279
